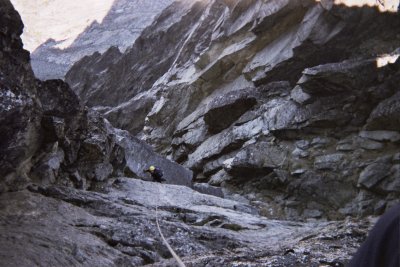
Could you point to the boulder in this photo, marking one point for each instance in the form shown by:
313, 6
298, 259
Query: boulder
329, 162
302, 144
46, 169
301, 97
224, 142
218, 178
254, 160
320, 142
57, 98
392, 182
297, 152
373, 174
386, 115
369, 144
317, 187
381, 136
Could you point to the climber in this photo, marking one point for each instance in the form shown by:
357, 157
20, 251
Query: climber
382, 246
156, 174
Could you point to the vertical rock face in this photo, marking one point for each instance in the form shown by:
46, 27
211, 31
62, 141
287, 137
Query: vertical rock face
48, 137
19, 112
59, 148
103, 24
50, 140
283, 99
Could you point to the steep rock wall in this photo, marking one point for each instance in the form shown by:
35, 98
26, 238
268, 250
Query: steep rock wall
48, 137
280, 101
51, 144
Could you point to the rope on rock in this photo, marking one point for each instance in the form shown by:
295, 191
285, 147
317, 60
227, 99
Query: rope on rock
176, 257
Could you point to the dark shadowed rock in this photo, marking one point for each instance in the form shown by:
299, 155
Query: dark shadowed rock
391, 183
96, 63
317, 187
131, 114
373, 174
275, 152
334, 78
386, 115
332, 161
48, 137
391, 136
369, 144
20, 114
257, 159
63, 242
58, 99
226, 109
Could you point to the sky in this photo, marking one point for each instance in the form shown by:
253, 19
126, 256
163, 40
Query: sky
61, 20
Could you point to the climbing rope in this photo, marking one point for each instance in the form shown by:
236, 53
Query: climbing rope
176, 257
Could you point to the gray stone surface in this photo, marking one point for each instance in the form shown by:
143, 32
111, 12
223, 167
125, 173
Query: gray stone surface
60, 225
208, 189
301, 97
386, 115
331, 161
290, 57
49, 137
373, 174
369, 144
391, 136
139, 156
338, 77
256, 160
173, 75
218, 178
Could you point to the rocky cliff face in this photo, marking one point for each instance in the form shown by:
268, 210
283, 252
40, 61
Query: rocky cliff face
279, 101
67, 196
49, 137
104, 24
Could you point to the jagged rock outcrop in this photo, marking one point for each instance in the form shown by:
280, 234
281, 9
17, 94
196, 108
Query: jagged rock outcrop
53, 149
48, 137
20, 116
317, 112
121, 24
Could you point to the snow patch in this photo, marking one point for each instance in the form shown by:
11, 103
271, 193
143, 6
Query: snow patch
386, 59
